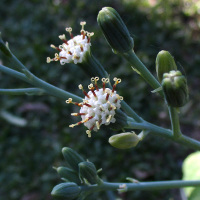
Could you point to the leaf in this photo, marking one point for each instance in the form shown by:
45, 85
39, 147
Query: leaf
191, 171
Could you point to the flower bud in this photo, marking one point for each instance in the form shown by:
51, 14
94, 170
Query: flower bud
4, 48
114, 30
87, 170
164, 64
69, 174
72, 158
124, 140
67, 191
175, 88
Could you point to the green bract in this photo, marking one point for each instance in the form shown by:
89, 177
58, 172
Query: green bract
164, 64
87, 170
68, 191
114, 30
124, 140
72, 158
175, 88
69, 174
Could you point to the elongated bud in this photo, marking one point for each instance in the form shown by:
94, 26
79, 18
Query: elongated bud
175, 88
67, 191
114, 30
124, 140
69, 174
4, 48
164, 64
87, 170
72, 158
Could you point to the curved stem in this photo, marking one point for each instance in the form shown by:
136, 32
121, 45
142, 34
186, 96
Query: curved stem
157, 185
143, 71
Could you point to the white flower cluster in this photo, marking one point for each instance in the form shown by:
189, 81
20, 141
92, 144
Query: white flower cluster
73, 50
98, 106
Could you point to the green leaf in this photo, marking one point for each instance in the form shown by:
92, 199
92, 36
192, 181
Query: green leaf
191, 171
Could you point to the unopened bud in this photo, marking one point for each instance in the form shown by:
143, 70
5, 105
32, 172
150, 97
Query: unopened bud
164, 64
87, 170
72, 158
114, 30
67, 191
124, 140
175, 88
69, 174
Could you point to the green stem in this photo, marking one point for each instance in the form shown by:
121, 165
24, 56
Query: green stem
166, 133
144, 72
174, 121
14, 73
156, 185
22, 91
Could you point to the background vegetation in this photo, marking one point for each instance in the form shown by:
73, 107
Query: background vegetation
31, 144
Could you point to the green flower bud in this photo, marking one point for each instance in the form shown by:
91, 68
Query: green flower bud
124, 140
4, 48
72, 158
164, 64
114, 30
175, 88
67, 191
87, 170
69, 174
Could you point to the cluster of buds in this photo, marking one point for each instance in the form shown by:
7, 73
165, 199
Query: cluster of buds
98, 106
73, 50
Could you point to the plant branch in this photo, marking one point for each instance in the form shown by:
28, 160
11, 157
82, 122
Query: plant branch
22, 91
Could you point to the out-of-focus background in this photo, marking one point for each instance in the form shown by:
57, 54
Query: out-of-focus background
33, 129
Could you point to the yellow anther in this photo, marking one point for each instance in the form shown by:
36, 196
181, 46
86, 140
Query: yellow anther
69, 100
88, 132
92, 79
53, 46
121, 98
107, 80
109, 118
74, 114
90, 86
72, 125
98, 125
96, 78
56, 57
103, 80
80, 87
90, 34
49, 59
62, 37
119, 80
69, 29
115, 79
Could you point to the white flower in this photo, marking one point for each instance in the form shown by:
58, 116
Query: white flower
98, 106
73, 50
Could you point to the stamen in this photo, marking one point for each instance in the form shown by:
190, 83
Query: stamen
69, 52
54, 47
75, 103
109, 118
84, 92
81, 122
95, 80
81, 47
82, 25
69, 29
92, 89
117, 81
63, 38
103, 83
88, 132
97, 125
89, 36
77, 114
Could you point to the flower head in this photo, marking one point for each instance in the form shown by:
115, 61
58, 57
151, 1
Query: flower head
98, 106
73, 50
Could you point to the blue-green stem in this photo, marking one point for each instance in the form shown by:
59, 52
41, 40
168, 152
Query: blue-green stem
140, 67
22, 91
156, 185
174, 122
166, 133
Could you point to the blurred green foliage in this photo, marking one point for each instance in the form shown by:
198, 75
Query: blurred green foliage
28, 153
